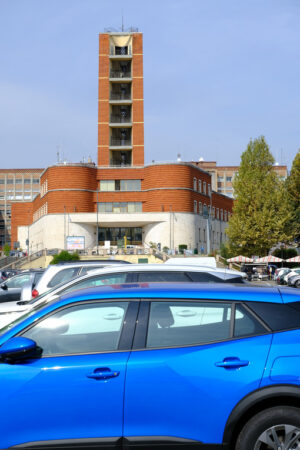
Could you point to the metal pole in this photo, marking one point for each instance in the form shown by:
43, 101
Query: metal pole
64, 227
97, 232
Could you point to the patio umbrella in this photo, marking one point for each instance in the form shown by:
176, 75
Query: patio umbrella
240, 259
269, 259
294, 259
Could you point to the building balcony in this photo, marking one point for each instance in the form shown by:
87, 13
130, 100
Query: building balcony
120, 142
120, 96
119, 119
120, 74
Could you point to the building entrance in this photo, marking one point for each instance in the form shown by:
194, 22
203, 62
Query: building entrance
115, 234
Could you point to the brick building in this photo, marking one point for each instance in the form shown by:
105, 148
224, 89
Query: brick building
170, 204
222, 176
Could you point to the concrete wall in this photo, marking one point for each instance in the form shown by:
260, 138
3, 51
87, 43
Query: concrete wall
168, 229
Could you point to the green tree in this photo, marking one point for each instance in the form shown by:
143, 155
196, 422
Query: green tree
64, 256
6, 249
293, 197
260, 209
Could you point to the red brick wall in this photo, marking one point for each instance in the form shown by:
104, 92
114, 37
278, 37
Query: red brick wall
21, 215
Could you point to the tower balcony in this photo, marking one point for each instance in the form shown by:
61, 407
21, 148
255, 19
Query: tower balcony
120, 142
119, 119
120, 74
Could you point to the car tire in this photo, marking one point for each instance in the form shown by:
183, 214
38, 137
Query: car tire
297, 284
273, 428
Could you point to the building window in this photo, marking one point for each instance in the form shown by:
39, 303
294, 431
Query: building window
205, 211
120, 207
225, 216
200, 208
26, 181
195, 184
2, 181
195, 206
218, 213
221, 179
208, 190
229, 179
222, 214
10, 181
213, 212
200, 186
18, 180
107, 185
120, 185
36, 181
204, 187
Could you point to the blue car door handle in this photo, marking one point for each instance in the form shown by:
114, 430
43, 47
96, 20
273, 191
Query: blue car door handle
232, 363
103, 373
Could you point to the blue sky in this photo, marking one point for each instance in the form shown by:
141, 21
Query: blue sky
216, 73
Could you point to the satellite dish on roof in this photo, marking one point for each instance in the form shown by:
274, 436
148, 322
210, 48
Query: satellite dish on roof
201, 159
178, 157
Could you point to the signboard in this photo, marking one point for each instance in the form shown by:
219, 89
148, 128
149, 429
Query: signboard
75, 242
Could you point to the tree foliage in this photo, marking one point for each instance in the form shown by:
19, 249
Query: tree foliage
64, 256
293, 197
260, 209
285, 253
6, 249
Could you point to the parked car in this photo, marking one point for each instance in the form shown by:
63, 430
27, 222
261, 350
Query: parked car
294, 281
155, 365
7, 273
294, 271
133, 273
281, 275
10, 289
65, 271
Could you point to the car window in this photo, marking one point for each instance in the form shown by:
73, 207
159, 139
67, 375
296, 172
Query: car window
99, 280
90, 328
63, 276
17, 282
162, 276
86, 269
245, 324
38, 276
187, 323
204, 277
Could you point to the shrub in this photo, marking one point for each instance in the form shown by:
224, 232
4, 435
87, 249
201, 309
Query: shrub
64, 256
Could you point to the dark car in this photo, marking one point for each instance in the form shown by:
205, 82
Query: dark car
11, 288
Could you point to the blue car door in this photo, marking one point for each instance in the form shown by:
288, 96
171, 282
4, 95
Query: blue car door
74, 392
189, 370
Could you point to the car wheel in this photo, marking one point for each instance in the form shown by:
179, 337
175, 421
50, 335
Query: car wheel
297, 284
272, 429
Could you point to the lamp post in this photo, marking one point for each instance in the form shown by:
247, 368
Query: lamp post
97, 230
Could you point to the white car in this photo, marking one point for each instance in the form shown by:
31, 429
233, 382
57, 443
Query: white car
294, 271
131, 273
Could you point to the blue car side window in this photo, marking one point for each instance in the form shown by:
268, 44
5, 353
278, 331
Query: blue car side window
85, 328
187, 323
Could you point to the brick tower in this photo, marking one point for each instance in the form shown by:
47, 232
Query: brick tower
121, 100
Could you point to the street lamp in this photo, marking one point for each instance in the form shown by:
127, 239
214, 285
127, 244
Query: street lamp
97, 231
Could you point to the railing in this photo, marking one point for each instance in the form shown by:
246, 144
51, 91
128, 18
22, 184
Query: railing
120, 142
119, 74
120, 96
120, 119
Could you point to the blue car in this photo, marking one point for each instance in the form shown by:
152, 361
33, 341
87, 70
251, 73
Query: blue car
157, 366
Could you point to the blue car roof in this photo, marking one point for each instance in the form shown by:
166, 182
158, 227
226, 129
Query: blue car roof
219, 291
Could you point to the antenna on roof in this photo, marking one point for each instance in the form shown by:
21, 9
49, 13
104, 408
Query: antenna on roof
122, 21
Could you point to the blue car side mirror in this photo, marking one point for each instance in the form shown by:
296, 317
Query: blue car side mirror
17, 348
